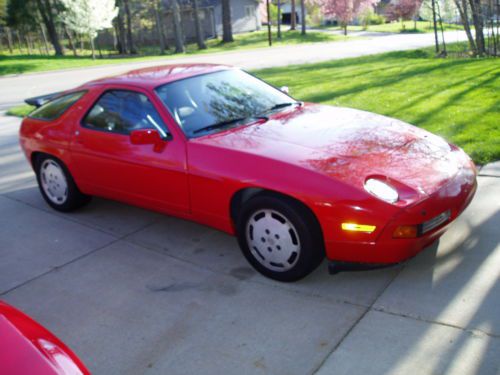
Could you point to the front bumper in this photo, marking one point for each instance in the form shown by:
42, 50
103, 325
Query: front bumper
386, 250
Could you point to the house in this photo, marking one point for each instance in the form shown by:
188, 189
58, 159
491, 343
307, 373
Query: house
286, 11
244, 16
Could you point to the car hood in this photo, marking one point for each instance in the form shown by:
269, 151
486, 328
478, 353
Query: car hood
349, 145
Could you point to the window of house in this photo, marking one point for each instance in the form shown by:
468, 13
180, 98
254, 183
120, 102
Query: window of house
249, 11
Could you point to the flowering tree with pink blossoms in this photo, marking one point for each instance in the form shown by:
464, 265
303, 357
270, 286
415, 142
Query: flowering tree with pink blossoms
345, 10
403, 10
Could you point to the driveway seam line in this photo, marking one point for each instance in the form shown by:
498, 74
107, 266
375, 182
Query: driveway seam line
423, 320
74, 260
68, 218
315, 371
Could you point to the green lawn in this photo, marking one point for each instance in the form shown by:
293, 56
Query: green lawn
397, 27
17, 64
458, 99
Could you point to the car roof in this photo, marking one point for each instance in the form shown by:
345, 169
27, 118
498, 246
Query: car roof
158, 75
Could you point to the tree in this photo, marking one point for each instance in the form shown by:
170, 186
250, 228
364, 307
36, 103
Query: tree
119, 24
21, 15
88, 17
462, 8
278, 16
178, 31
227, 28
157, 6
200, 37
346, 10
402, 10
303, 16
130, 38
46, 9
293, 15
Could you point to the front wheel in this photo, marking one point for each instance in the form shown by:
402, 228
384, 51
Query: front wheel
280, 238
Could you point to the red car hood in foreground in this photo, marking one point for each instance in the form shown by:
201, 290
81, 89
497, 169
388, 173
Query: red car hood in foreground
350, 145
28, 348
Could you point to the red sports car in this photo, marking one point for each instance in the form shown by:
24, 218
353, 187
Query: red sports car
294, 181
27, 348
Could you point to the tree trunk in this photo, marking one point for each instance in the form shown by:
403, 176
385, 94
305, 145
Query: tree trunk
303, 16
279, 19
19, 43
130, 38
477, 17
120, 26
9, 39
227, 27
464, 15
44, 37
200, 37
45, 9
344, 26
70, 40
98, 45
293, 16
179, 37
159, 25
444, 53
269, 35
92, 47
434, 23
27, 41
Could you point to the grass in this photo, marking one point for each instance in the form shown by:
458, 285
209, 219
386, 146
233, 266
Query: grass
20, 110
19, 63
458, 99
397, 27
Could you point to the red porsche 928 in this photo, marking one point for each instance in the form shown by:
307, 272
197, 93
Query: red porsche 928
294, 181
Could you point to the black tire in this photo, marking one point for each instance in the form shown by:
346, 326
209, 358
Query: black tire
308, 231
74, 197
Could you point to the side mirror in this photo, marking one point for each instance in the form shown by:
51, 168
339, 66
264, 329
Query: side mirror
147, 137
285, 90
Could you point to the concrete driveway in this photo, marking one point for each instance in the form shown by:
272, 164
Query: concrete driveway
134, 292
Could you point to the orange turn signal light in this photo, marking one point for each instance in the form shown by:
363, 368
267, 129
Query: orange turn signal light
406, 231
352, 227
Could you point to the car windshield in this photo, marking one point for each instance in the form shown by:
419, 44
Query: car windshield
210, 102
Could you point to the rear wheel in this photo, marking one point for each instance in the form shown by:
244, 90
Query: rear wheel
280, 238
57, 186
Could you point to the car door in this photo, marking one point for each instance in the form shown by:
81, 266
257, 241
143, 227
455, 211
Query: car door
106, 163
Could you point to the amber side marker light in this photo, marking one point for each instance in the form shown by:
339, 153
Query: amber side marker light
352, 227
406, 231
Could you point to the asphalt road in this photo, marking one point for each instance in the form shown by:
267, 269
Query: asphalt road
14, 89
135, 292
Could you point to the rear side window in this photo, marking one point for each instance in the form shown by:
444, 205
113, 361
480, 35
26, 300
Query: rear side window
55, 108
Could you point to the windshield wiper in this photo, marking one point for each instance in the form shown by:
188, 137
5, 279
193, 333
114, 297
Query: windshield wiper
282, 105
228, 122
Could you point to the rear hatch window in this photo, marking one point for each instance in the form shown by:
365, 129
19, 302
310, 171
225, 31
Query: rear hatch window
55, 108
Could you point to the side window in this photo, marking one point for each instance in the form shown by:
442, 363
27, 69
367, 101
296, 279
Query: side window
56, 107
121, 111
